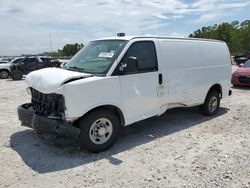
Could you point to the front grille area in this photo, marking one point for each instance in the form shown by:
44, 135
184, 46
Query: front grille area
244, 79
47, 104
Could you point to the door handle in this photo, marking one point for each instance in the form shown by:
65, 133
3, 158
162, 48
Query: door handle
160, 79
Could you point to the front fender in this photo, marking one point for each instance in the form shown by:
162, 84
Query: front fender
81, 96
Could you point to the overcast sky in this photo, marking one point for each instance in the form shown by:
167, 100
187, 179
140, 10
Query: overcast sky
26, 25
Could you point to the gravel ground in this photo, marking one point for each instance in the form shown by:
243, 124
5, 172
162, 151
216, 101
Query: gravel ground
179, 149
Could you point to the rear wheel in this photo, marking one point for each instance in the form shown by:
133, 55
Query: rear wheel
212, 104
4, 74
16, 75
99, 130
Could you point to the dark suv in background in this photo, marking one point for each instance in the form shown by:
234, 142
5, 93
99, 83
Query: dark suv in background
29, 64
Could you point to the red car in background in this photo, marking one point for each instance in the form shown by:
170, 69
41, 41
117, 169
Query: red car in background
241, 77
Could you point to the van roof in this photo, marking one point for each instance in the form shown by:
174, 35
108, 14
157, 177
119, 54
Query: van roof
157, 37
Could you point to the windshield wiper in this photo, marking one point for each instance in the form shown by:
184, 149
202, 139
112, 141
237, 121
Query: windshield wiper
75, 68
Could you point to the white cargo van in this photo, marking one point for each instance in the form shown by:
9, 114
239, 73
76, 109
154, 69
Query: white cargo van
117, 81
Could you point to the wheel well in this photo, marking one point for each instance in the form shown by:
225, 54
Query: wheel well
216, 87
115, 109
5, 70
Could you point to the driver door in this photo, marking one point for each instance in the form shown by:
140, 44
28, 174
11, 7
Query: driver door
140, 89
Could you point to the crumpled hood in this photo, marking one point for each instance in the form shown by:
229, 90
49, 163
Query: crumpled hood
49, 79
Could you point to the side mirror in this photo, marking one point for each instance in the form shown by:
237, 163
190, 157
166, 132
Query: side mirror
131, 66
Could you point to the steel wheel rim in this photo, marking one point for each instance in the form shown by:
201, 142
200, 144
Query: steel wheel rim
213, 103
101, 131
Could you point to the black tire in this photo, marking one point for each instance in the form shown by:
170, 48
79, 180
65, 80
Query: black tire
16, 75
4, 74
88, 132
211, 104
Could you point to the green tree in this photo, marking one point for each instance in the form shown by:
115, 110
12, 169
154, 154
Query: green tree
245, 35
235, 34
71, 49
68, 50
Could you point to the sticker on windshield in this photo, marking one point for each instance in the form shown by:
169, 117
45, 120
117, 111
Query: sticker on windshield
106, 54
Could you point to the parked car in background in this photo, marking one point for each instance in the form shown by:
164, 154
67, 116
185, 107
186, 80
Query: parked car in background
241, 76
4, 70
240, 60
5, 67
29, 64
2, 62
5, 59
63, 62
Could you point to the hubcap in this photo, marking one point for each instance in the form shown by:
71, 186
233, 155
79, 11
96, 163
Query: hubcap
100, 131
213, 104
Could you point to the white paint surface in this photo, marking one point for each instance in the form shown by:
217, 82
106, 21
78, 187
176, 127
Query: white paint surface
189, 68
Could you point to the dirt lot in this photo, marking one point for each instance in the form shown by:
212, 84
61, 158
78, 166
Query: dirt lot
179, 149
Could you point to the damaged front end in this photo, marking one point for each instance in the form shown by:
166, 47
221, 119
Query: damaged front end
45, 114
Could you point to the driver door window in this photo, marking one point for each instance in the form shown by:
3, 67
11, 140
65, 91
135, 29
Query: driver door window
146, 55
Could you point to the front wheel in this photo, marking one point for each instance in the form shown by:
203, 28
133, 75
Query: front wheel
99, 130
4, 74
211, 104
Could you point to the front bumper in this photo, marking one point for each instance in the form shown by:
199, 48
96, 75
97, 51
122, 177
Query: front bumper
46, 125
236, 82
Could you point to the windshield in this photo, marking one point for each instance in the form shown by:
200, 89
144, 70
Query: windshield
97, 57
247, 64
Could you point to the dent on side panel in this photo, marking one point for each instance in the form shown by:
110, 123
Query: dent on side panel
191, 71
178, 59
